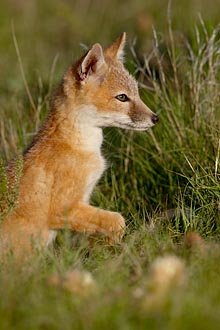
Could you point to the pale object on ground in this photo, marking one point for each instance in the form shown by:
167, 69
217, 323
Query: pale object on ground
167, 275
75, 281
166, 271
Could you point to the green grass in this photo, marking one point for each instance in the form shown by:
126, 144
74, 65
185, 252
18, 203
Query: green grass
164, 182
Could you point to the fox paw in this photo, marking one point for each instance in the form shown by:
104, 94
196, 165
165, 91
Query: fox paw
116, 227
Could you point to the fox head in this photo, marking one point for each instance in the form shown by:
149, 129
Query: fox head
102, 88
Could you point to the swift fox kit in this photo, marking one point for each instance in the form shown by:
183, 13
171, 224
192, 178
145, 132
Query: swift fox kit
64, 161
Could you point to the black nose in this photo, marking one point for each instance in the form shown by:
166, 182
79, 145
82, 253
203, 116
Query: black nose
155, 119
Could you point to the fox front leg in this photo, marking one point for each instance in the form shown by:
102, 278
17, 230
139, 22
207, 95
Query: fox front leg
92, 220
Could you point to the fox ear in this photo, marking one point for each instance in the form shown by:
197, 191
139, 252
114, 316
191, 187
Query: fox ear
116, 50
92, 62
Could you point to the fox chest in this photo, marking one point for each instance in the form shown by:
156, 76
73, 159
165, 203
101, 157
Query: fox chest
94, 172
75, 180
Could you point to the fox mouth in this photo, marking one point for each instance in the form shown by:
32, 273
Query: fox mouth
134, 127
137, 125
126, 123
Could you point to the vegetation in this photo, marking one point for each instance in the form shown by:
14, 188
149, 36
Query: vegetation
165, 182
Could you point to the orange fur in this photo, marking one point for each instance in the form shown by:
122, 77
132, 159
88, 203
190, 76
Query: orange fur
64, 161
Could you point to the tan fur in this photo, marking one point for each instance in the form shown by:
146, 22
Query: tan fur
64, 161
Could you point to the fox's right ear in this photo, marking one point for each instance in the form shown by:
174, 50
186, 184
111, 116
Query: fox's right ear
91, 63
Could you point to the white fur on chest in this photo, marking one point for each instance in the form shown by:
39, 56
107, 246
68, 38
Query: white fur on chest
89, 134
90, 140
95, 174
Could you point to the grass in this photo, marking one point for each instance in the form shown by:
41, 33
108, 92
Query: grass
165, 182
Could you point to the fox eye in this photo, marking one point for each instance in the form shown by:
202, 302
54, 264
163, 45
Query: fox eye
122, 97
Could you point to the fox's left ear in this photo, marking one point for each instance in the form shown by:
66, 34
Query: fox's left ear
91, 63
116, 50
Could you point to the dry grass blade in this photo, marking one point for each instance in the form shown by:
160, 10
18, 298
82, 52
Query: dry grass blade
22, 69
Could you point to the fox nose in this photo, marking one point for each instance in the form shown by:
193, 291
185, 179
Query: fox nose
155, 118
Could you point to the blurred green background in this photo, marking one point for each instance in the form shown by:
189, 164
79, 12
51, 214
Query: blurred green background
45, 28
